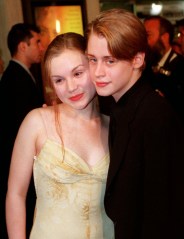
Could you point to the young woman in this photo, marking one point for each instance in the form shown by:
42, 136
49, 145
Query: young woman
66, 146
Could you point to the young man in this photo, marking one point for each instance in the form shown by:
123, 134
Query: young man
144, 193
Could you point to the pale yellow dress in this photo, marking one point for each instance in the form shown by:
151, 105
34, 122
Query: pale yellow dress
69, 196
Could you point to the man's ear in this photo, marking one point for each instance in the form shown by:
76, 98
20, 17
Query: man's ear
22, 46
165, 37
138, 60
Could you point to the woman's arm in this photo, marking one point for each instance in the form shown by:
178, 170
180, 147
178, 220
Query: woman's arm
19, 177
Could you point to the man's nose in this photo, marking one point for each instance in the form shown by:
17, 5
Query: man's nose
99, 70
41, 47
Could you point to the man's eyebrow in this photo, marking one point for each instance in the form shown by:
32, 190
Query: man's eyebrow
88, 54
104, 57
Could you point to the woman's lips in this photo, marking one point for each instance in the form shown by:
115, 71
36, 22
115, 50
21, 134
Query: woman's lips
76, 97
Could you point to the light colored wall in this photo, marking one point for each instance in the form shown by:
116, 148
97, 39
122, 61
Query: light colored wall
10, 13
93, 8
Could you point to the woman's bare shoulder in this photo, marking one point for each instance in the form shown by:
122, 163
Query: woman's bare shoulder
39, 112
35, 117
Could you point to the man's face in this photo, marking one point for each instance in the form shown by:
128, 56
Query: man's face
110, 75
155, 42
34, 50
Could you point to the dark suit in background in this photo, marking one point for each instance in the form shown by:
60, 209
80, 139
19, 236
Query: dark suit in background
18, 95
169, 79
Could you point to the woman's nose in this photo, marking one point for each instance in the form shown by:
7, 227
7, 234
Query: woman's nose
71, 85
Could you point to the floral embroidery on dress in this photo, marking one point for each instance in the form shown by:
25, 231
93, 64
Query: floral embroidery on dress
69, 196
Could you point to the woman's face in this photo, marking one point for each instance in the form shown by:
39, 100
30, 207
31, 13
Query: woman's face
110, 75
71, 80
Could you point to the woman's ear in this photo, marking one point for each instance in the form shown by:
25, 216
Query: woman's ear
138, 60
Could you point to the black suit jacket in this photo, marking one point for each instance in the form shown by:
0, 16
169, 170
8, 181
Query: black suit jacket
18, 95
169, 79
145, 185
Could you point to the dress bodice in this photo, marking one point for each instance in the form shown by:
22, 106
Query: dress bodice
70, 196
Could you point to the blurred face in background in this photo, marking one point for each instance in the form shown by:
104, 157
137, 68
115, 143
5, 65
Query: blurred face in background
34, 49
180, 38
152, 28
155, 42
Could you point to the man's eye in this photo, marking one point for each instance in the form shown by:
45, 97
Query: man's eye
92, 60
111, 61
149, 35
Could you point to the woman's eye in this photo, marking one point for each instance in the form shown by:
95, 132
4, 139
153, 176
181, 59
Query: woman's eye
78, 74
59, 80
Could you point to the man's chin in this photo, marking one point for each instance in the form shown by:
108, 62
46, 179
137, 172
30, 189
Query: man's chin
102, 93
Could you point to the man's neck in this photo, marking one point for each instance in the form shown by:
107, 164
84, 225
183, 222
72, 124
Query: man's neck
22, 60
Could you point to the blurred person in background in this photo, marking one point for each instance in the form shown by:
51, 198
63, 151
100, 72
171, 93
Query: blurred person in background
167, 65
176, 47
19, 93
180, 34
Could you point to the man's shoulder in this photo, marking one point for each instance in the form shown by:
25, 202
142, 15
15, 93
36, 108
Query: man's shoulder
15, 66
12, 70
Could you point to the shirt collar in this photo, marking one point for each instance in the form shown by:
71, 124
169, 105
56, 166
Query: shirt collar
25, 68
